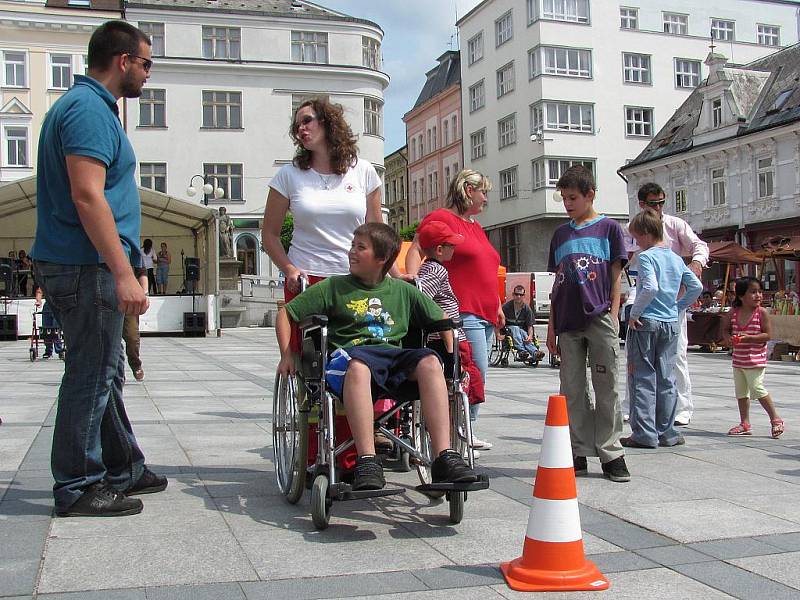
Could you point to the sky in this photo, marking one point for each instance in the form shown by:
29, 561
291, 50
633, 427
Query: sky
416, 33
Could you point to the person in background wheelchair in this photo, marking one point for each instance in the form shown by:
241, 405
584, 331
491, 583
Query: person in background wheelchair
519, 324
368, 316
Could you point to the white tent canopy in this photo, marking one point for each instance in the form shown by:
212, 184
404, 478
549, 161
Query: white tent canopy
187, 228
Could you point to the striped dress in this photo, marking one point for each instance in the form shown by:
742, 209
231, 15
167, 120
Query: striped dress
748, 356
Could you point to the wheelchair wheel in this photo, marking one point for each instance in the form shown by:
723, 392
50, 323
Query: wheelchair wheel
289, 437
422, 442
461, 427
495, 353
320, 503
456, 501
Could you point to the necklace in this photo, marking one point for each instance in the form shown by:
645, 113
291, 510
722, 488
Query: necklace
326, 182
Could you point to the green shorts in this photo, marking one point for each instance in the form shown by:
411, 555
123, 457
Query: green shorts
749, 383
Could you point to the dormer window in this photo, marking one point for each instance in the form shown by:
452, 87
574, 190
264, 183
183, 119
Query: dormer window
716, 113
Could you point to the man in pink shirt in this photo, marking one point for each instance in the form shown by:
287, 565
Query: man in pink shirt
683, 241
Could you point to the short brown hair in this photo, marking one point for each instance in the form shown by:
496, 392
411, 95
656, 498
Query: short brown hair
113, 38
385, 242
648, 222
340, 139
577, 177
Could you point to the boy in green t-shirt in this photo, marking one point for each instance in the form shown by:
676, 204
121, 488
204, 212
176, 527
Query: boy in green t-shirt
368, 316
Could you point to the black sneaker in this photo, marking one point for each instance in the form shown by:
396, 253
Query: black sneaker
616, 470
629, 442
449, 467
102, 500
580, 464
149, 483
368, 474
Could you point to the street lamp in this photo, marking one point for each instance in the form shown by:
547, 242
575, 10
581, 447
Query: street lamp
207, 189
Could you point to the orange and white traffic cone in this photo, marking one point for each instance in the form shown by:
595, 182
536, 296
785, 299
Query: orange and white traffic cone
552, 557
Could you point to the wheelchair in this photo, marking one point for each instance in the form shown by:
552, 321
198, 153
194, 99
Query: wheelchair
504, 349
303, 398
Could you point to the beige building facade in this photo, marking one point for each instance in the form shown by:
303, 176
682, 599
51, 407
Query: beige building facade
395, 192
42, 46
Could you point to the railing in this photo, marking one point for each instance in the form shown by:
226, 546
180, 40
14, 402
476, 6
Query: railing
260, 287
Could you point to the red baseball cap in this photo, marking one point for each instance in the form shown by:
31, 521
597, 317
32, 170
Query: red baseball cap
433, 233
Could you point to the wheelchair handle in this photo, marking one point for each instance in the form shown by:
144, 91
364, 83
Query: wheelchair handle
313, 321
443, 325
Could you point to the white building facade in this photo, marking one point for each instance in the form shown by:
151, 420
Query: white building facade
221, 95
550, 83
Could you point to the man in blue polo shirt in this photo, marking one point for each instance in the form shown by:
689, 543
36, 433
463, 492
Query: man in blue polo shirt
86, 247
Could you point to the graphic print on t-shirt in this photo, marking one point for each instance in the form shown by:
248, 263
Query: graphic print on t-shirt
370, 312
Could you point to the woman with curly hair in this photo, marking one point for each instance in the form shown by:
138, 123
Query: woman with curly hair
328, 190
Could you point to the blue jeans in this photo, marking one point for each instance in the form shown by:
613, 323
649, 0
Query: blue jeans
652, 353
92, 436
519, 340
479, 334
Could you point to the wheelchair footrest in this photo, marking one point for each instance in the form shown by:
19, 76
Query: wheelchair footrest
344, 492
471, 486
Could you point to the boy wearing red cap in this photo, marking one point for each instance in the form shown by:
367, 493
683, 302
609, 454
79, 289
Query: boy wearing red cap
437, 242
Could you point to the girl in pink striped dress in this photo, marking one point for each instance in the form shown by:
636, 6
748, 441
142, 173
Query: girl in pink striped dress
747, 329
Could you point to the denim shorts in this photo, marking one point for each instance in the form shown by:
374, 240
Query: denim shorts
389, 366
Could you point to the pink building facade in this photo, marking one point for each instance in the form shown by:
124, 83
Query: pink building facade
433, 135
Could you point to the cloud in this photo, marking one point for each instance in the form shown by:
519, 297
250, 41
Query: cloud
416, 33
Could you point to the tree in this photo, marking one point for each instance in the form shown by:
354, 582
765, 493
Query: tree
408, 233
287, 229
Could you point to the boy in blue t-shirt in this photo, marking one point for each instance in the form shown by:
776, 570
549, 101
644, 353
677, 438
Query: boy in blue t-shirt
368, 315
587, 255
653, 335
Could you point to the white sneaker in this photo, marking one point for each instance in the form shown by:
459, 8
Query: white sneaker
475, 454
626, 418
482, 444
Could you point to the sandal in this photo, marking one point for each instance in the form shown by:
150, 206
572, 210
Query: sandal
777, 428
741, 429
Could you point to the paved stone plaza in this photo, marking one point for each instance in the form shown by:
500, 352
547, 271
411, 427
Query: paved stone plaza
716, 518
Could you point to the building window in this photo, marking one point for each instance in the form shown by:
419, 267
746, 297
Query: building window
445, 132
510, 247
565, 62
61, 71
766, 177
14, 69
636, 68
414, 192
373, 116
718, 186
507, 131
539, 174
716, 113
447, 176
226, 176
676, 24
557, 166
638, 121
156, 33
477, 96
629, 18
298, 99
680, 200
687, 73
370, 52
153, 176
309, 47
454, 121
153, 108
769, 35
573, 11
221, 42
505, 79
723, 30
562, 116
503, 29
475, 49
435, 138
477, 144
16, 146
508, 183
222, 110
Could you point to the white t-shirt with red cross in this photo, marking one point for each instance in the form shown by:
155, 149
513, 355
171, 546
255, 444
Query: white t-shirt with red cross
326, 209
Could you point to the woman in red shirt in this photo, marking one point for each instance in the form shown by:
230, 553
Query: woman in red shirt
472, 271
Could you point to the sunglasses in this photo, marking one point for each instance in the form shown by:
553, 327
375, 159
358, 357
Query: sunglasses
518, 294
655, 202
147, 64
308, 119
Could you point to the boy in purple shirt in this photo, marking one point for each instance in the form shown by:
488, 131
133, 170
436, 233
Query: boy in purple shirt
587, 255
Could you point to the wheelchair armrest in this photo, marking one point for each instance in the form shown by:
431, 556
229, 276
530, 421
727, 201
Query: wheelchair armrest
443, 325
313, 322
